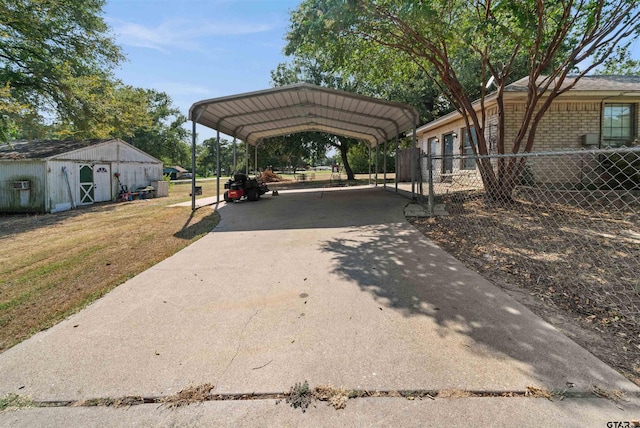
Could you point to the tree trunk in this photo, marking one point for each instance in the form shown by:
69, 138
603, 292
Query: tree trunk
344, 148
499, 189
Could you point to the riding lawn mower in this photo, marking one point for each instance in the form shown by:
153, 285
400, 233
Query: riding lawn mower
241, 186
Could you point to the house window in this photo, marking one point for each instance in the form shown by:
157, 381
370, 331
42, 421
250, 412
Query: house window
468, 162
617, 129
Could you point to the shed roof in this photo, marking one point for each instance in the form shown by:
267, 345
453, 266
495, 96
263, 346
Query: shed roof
49, 149
43, 149
284, 110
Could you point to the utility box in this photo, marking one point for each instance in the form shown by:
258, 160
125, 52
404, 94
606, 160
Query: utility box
590, 140
22, 185
162, 188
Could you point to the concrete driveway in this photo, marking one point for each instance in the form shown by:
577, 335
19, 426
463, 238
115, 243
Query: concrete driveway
331, 287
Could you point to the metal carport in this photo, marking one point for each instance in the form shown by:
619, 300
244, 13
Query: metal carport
254, 116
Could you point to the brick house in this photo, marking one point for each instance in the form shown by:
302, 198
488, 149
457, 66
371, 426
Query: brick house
600, 111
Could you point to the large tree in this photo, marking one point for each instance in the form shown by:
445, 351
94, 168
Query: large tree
309, 70
286, 151
101, 108
164, 136
207, 159
50, 50
440, 36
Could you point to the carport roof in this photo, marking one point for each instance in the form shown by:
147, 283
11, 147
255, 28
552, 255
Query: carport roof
302, 107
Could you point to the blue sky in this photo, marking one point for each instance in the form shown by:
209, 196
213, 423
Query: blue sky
198, 49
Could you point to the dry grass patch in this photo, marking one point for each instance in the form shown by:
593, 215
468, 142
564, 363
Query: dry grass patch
192, 394
337, 397
535, 392
14, 401
614, 396
55, 264
454, 393
110, 402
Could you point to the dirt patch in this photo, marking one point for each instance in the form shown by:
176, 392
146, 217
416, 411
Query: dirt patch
578, 270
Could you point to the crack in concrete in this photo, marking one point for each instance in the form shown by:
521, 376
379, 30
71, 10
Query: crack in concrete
239, 345
410, 394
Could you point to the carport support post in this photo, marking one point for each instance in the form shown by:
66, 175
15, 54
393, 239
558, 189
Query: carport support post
193, 167
246, 158
369, 164
235, 160
397, 144
376, 171
413, 164
255, 162
384, 166
217, 166
431, 195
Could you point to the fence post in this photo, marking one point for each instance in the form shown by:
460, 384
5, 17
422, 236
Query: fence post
431, 198
418, 168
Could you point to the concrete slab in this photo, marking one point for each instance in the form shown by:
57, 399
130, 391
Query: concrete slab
329, 287
213, 200
415, 210
365, 412
419, 210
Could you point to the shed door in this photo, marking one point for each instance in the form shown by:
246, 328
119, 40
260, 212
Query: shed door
86, 184
102, 182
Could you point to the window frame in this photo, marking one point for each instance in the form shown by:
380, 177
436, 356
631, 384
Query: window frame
618, 140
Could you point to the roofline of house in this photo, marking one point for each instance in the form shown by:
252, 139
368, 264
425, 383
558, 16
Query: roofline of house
490, 100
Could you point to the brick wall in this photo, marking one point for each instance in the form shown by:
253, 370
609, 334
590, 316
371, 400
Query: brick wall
560, 128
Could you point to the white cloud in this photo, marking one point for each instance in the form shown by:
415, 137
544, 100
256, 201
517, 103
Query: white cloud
181, 34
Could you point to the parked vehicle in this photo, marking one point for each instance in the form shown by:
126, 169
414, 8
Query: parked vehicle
241, 186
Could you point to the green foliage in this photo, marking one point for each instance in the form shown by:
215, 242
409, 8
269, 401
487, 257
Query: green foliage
359, 158
101, 108
622, 170
620, 63
206, 157
49, 50
300, 396
527, 177
162, 135
316, 144
361, 163
460, 45
14, 401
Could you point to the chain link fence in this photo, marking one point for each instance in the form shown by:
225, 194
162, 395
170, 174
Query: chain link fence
565, 225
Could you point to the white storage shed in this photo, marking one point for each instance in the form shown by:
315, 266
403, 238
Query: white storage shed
53, 175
